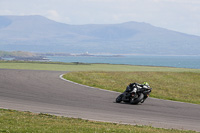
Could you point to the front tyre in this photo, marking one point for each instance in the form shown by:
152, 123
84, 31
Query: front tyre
119, 98
139, 99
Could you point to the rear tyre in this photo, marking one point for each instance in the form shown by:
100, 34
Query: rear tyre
119, 98
139, 99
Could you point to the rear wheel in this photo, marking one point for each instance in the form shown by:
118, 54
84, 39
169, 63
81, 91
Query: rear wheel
119, 98
139, 99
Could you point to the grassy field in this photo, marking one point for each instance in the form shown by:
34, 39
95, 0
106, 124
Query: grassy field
178, 86
26, 122
58, 66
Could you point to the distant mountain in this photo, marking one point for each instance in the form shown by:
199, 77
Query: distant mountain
39, 34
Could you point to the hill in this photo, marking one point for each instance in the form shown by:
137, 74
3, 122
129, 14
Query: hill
39, 34
21, 55
6, 54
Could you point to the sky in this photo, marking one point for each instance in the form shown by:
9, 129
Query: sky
177, 15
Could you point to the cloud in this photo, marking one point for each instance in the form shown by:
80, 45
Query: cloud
53, 14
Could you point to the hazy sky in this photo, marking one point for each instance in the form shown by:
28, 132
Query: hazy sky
178, 15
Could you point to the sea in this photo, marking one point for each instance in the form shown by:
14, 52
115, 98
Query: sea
167, 61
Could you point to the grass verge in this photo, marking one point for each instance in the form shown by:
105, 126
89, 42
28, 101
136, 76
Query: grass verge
12, 121
177, 86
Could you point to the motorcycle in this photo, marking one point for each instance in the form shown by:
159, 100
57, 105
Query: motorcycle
135, 93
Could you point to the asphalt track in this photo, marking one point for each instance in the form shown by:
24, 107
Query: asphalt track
45, 92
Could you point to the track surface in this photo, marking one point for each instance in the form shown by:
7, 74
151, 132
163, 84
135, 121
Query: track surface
44, 91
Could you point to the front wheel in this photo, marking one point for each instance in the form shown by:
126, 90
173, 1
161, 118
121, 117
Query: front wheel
119, 98
139, 99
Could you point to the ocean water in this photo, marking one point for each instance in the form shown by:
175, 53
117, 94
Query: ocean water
169, 61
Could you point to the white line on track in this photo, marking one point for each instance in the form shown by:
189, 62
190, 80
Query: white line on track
61, 77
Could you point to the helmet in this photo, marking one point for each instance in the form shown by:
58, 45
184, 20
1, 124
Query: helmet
146, 83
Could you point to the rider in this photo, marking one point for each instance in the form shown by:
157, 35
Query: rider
131, 86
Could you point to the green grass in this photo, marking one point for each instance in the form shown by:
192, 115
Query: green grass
12, 121
178, 86
58, 66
